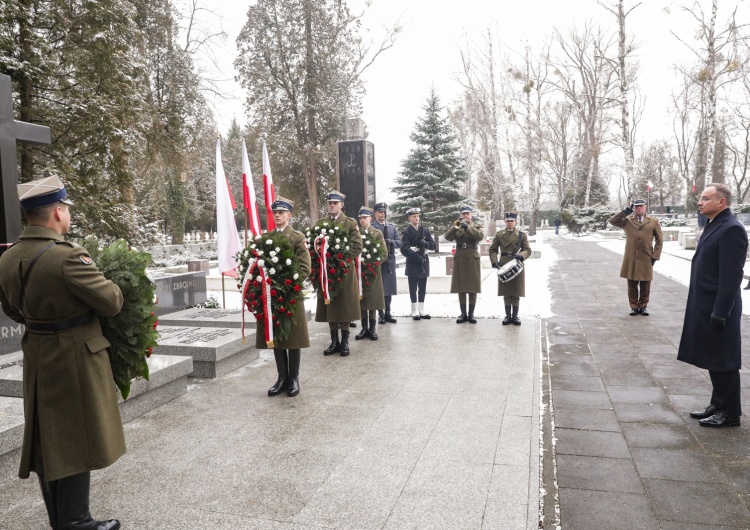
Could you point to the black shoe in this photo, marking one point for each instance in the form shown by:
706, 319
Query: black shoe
720, 419
293, 387
365, 333
278, 388
389, 318
516, 321
644, 311
344, 343
416, 317
463, 318
381, 318
472, 320
111, 524
507, 320
373, 332
352, 324
425, 317
335, 346
635, 311
701, 414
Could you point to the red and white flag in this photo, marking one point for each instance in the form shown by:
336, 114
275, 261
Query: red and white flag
248, 194
270, 194
650, 185
227, 238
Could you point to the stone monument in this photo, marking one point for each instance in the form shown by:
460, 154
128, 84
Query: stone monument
356, 168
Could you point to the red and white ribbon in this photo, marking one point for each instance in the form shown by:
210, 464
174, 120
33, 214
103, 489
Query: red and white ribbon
321, 244
358, 265
266, 301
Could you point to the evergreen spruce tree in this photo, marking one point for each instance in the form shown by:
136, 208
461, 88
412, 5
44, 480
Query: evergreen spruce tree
433, 172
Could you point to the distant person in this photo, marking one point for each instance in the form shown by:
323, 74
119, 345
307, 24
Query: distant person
711, 337
416, 240
510, 244
642, 249
287, 352
557, 225
72, 419
388, 267
373, 299
467, 271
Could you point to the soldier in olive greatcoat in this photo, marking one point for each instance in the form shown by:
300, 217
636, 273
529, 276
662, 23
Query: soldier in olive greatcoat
388, 267
344, 307
72, 419
643, 245
287, 352
510, 244
373, 299
416, 240
467, 271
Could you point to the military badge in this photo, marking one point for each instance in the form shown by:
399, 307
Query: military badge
86, 260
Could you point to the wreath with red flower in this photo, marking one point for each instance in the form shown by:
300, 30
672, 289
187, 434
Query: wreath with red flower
373, 253
274, 273
339, 258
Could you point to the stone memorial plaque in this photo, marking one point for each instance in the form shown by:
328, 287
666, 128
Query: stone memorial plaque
356, 174
208, 318
215, 350
178, 291
10, 334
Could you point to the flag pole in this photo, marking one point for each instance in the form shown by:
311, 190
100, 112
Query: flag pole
223, 294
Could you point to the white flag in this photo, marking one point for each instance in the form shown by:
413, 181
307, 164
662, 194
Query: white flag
228, 240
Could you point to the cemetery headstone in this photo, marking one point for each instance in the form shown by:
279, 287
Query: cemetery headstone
178, 291
356, 174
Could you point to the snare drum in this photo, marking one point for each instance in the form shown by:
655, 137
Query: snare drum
510, 270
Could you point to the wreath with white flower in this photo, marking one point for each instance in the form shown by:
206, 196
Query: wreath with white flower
270, 284
372, 256
330, 248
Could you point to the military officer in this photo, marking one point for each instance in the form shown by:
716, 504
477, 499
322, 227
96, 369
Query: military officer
388, 267
287, 352
643, 245
73, 422
507, 245
344, 307
467, 272
372, 295
416, 240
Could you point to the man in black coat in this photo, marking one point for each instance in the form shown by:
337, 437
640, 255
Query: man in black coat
711, 332
388, 267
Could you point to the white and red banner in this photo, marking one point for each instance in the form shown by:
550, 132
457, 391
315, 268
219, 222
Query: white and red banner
321, 243
270, 194
248, 195
228, 240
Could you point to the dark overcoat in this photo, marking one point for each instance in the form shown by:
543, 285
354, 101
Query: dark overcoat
715, 280
643, 241
417, 260
510, 242
68, 389
344, 307
372, 295
298, 336
467, 270
388, 268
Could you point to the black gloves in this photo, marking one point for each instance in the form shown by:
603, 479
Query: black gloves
496, 265
518, 257
718, 323
653, 260
464, 225
422, 243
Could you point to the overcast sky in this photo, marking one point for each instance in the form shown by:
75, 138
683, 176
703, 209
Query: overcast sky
427, 54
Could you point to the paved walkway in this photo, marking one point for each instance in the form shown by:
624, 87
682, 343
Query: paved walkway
628, 455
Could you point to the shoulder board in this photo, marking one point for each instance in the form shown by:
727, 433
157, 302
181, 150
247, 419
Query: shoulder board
67, 243
298, 232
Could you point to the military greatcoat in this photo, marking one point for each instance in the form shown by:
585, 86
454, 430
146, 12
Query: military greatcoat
417, 260
372, 296
298, 337
72, 417
388, 267
344, 307
467, 271
715, 280
643, 242
504, 245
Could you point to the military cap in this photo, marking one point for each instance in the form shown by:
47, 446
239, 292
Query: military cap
42, 192
282, 204
335, 196
511, 216
380, 207
640, 202
413, 210
365, 211
465, 208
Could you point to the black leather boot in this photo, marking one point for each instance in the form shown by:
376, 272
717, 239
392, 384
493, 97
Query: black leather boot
282, 367
373, 331
463, 318
365, 333
471, 318
335, 346
507, 320
292, 388
381, 317
49, 494
73, 505
344, 343
389, 318
516, 321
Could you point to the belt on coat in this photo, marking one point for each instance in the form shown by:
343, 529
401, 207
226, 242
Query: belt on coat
464, 245
507, 254
60, 325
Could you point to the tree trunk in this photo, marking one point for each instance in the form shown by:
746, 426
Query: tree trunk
711, 95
